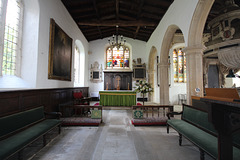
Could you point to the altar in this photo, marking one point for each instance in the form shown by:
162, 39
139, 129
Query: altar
117, 98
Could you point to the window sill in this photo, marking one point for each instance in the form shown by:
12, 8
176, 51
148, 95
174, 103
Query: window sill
12, 82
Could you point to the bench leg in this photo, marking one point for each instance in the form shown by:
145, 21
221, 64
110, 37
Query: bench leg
201, 154
180, 139
167, 128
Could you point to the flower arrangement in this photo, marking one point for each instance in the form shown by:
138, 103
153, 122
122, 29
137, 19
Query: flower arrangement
143, 87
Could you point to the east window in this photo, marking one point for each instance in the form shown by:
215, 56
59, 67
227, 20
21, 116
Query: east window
118, 58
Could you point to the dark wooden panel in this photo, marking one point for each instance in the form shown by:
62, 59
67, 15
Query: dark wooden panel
9, 105
111, 80
30, 100
16, 101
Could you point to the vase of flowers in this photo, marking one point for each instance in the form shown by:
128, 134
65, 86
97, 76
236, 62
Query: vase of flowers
143, 87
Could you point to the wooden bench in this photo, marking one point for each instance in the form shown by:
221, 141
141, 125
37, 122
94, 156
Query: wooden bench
195, 127
21, 129
80, 115
149, 115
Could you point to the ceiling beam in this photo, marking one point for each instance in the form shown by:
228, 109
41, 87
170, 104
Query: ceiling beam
138, 15
118, 23
97, 13
117, 10
126, 17
136, 32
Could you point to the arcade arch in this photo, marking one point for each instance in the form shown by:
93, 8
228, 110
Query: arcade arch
194, 51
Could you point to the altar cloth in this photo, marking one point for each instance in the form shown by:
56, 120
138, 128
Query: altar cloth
117, 98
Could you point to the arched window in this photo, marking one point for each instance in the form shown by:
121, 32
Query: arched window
77, 65
179, 66
117, 58
11, 30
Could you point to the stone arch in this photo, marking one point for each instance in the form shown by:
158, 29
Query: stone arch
195, 48
163, 65
151, 69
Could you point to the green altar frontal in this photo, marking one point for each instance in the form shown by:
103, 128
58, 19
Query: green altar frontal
117, 98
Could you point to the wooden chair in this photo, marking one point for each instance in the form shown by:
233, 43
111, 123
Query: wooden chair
78, 99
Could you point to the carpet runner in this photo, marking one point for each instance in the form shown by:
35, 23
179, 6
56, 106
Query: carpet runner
80, 121
152, 121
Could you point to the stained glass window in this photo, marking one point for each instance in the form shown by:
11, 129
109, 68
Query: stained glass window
117, 58
179, 66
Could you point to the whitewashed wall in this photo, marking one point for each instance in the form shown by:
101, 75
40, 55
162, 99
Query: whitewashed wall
179, 14
29, 50
35, 45
97, 50
56, 10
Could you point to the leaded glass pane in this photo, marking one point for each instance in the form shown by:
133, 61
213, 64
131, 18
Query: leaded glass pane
11, 37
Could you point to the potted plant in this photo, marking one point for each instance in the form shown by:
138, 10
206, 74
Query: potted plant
143, 87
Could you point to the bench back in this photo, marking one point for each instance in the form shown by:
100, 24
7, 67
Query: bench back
198, 118
16, 122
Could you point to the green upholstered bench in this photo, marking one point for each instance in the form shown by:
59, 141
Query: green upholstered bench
20, 129
195, 127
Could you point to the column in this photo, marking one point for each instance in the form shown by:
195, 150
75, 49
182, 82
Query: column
151, 81
164, 84
194, 58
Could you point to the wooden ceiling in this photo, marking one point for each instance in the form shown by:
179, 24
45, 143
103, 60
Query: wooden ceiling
135, 19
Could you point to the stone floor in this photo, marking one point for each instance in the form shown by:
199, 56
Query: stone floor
114, 139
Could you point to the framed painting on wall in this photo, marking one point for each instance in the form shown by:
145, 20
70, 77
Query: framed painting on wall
60, 53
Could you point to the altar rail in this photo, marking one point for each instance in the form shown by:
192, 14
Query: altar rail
151, 110
19, 100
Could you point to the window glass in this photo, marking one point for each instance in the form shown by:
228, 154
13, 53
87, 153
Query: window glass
179, 66
11, 36
76, 65
117, 57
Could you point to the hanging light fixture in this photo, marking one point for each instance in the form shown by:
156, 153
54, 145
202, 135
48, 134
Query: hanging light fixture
114, 42
230, 74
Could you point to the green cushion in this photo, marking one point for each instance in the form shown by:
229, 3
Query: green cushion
199, 137
96, 114
17, 141
137, 114
17, 121
236, 153
199, 118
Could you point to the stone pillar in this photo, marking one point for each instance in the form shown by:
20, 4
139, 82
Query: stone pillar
151, 81
194, 58
164, 84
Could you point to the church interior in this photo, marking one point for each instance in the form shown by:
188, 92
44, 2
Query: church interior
119, 79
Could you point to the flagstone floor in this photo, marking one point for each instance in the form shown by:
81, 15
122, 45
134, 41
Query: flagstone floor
115, 139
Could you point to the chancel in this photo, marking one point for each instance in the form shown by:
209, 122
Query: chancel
89, 79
